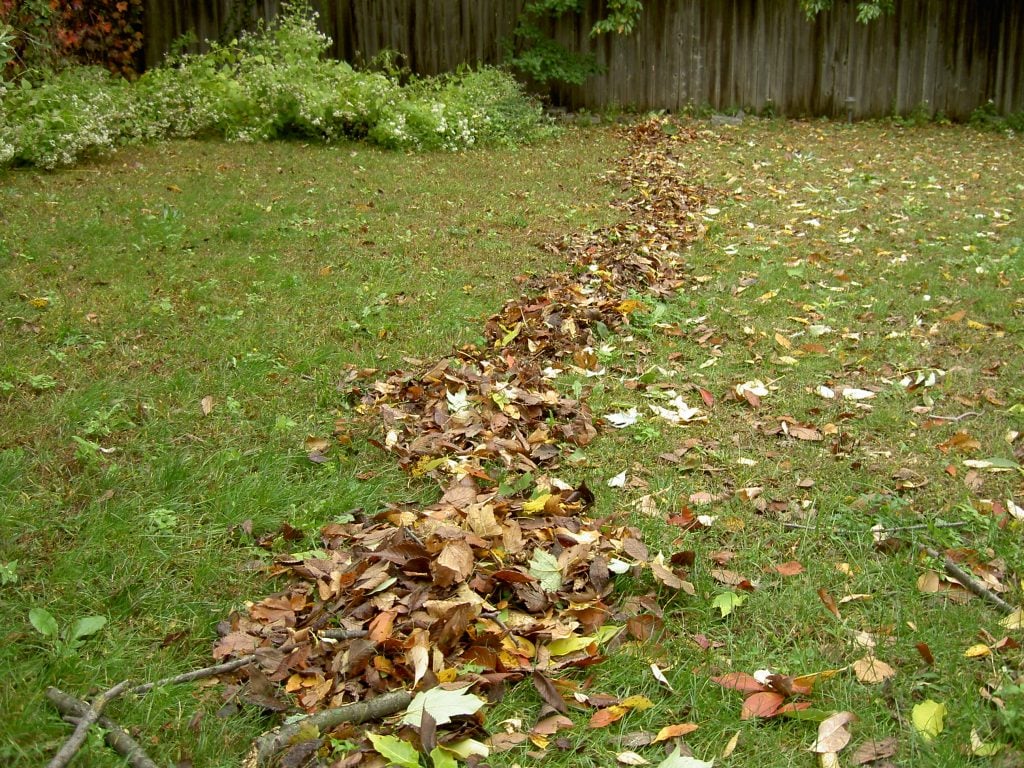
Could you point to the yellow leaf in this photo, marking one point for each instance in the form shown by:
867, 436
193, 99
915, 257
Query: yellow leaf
927, 718
568, 645
765, 297
984, 748
534, 506
1015, 620
731, 746
783, 342
637, 702
977, 651
814, 678
629, 306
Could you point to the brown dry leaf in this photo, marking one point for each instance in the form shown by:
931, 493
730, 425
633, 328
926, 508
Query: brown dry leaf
764, 704
551, 725
925, 653
314, 443
928, 582
607, 716
871, 671
829, 602
668, 577
960, 442
549, 692
453, 564
790, 568
833, 734
206, 405
870, 751
731, 579
740, 681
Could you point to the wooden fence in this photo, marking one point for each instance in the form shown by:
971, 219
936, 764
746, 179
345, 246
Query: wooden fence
945, 55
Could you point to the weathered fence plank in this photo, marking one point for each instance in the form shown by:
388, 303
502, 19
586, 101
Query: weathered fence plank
944, 55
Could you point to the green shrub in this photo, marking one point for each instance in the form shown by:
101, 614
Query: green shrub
269, 84
71, 114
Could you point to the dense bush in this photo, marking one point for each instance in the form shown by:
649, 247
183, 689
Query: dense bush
268, 84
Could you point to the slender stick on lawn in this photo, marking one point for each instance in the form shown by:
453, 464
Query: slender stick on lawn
968, 581
90, 716
116, 737
93, 711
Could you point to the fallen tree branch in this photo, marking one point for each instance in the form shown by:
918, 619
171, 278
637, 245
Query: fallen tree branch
271, 743
73, 710
85, 722
968, 581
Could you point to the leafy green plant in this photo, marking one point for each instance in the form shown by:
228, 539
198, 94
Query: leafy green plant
1011, 715
268, 84
8, 573
70, 639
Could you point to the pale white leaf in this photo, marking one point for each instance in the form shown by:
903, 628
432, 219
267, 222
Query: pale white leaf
544, 568
852, 393
442, 705
660, 676
754, 387
619, 481
622, 419
631, 758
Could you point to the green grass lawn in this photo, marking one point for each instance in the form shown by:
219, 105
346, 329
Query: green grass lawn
132, 289
881, 259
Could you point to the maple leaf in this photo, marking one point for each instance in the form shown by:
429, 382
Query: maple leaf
442, 705
544, 567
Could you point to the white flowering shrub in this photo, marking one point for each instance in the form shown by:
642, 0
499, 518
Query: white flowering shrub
67, 116
269, 84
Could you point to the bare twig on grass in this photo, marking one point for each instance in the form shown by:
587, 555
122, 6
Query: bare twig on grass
85, 722
874, 531
954, 418
116, 737
92, 712
968, 581
271, 743
195, 674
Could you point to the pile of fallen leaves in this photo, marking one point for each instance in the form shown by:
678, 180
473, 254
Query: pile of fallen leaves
499, 580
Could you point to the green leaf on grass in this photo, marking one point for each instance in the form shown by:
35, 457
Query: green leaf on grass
44, 622
678, 760
727, 602
87, 625
396, 751
927, 717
